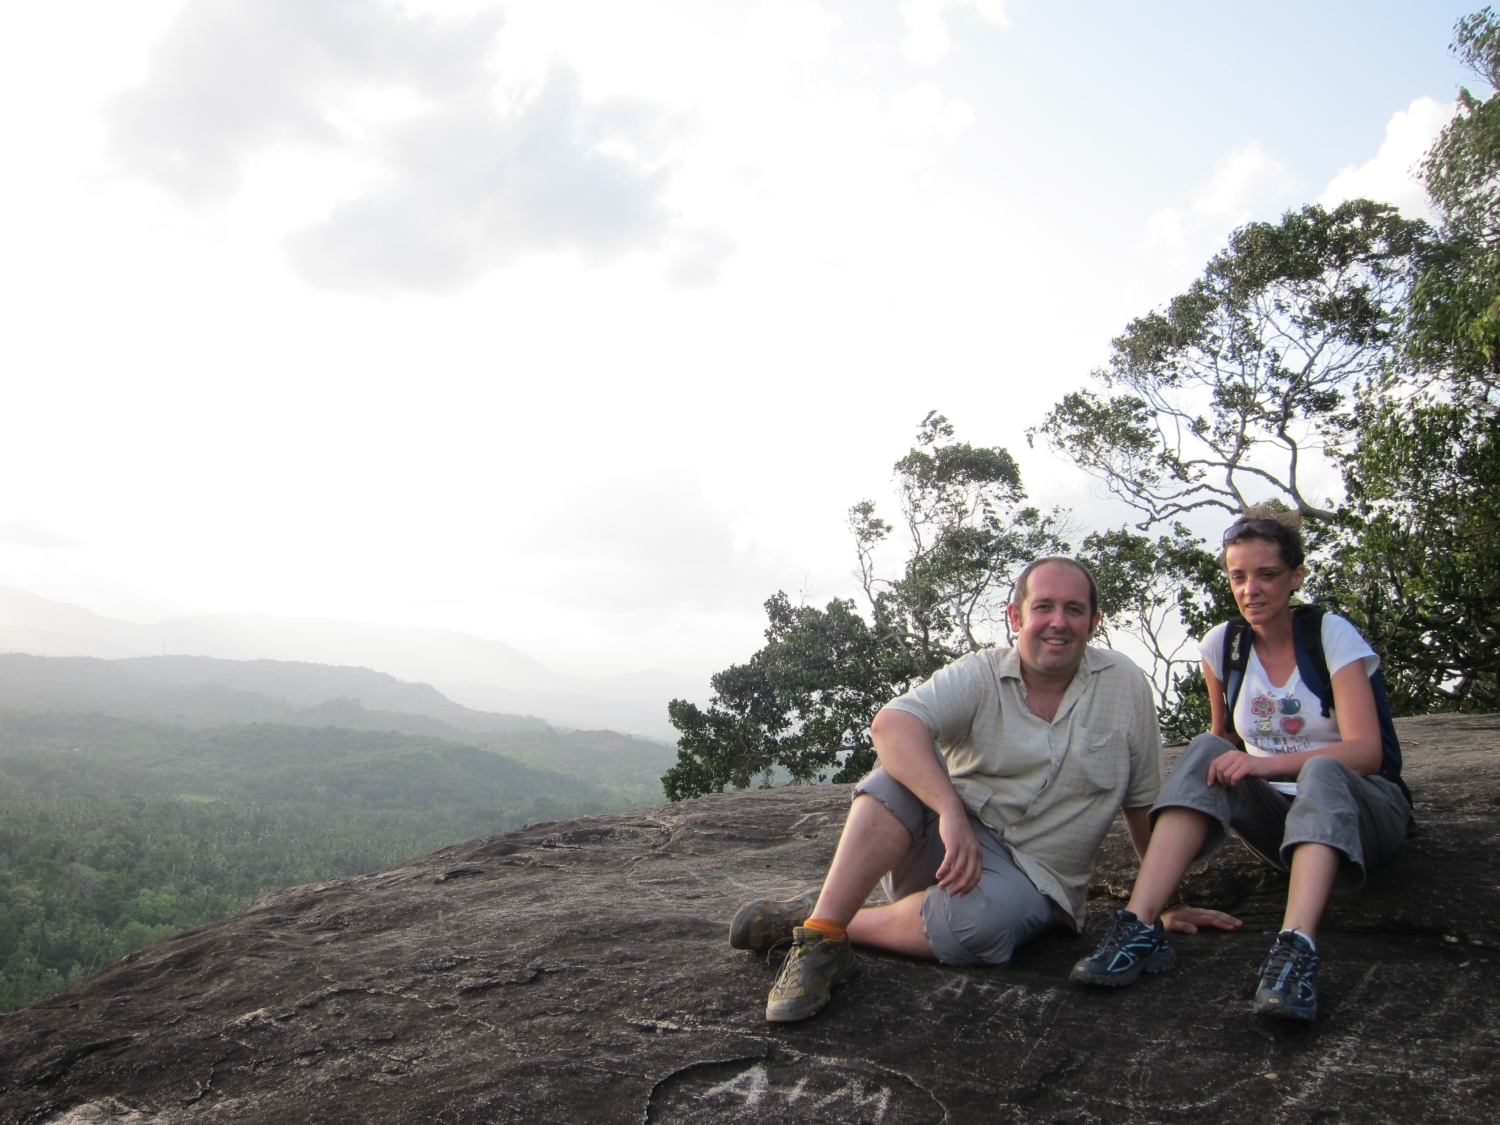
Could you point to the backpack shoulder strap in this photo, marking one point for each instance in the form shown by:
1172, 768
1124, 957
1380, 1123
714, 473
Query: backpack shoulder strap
1236, 659
1312, 662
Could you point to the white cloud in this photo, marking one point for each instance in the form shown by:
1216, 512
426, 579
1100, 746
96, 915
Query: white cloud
472, 187
641, 548
230, 78
1243, 181
789, 31
1389, 176
922, 111
927, 39
698, 258
463, 176
29, 533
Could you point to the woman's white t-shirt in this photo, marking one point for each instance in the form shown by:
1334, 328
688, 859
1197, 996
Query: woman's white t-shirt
1288, 719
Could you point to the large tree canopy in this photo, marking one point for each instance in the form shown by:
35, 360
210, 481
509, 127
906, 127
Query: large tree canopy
1455, 308
1221, 399
1416, 564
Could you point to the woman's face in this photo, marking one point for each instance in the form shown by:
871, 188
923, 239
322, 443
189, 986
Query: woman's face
1262, 583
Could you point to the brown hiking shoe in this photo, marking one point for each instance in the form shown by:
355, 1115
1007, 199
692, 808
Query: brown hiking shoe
760, 925
814, 966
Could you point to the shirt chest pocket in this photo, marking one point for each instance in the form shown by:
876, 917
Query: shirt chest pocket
1093, 762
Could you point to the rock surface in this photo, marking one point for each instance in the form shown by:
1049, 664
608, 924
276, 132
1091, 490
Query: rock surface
579, 972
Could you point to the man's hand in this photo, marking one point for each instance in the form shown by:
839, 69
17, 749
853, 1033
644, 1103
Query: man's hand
1232, 767
963, 861
1185, 919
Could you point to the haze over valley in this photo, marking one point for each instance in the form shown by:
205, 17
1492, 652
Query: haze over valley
483, 674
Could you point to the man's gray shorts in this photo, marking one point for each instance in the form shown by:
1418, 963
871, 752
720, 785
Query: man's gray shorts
983, 927
1365, 818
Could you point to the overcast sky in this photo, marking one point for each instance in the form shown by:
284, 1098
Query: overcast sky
580, 324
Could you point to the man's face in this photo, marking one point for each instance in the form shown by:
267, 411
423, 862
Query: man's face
1054, 626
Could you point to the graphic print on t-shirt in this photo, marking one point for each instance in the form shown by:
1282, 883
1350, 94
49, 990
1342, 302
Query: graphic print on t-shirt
1279, 720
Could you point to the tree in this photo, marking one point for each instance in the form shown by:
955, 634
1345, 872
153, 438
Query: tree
1220, 399
802, 705
1414, 565
1415, 569
1164, 594
1455, 309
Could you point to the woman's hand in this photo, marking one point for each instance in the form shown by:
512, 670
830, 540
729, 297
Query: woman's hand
1185, 919
1230, 768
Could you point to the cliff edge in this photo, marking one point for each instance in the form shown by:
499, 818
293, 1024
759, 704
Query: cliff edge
579, 972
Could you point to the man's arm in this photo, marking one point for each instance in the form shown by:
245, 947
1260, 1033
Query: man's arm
909, 755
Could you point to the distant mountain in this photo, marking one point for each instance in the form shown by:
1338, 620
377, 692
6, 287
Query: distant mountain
202, 692
480, 673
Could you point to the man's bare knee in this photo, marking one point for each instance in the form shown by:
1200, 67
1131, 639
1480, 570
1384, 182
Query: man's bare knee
869, 816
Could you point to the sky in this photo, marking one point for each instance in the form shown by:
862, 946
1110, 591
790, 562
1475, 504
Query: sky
580, 325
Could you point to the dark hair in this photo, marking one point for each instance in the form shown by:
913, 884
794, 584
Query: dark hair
1261, 521
1022, 583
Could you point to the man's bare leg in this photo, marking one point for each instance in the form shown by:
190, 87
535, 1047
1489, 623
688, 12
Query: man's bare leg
874, 841
897, 927
1175, 841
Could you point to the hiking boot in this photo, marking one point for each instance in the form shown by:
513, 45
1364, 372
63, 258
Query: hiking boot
760, 925
1130, 948
815, 964
1289, 979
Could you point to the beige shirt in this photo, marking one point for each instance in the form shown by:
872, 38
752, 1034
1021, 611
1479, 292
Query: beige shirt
1049, 790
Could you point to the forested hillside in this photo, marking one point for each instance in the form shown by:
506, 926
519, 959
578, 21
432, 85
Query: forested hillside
133, 806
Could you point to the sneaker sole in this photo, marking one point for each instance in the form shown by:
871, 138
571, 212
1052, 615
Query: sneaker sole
1275, 1005
1162, 961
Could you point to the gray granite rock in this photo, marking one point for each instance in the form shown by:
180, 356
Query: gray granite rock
579, 972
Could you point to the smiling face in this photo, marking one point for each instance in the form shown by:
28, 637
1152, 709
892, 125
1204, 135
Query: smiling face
1054, 625
1262, 583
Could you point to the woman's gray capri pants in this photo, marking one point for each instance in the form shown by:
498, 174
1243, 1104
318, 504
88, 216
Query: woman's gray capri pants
1365, 818
983, 927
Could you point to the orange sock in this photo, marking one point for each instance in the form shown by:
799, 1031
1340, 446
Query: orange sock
831, 930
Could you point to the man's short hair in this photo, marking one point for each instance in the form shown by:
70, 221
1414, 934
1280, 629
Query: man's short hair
1023, 583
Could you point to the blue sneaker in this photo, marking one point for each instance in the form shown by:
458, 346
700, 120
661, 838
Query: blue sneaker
1130, 948
1289, 979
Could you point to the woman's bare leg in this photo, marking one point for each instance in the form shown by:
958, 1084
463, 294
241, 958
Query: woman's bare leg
1313, 869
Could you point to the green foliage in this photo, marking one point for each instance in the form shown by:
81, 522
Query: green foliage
115, 833
1455, 308
1415, 561
802, 705
1416, 570
969, 531
1219, 400
1162, 593
1187, 713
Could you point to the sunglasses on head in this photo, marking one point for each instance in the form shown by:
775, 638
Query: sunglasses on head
1253, 527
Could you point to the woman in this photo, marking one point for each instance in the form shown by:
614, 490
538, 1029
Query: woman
1306, 797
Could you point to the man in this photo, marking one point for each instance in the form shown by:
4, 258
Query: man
998, 779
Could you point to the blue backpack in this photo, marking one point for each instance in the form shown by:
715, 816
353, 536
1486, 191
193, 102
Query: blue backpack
1312, 664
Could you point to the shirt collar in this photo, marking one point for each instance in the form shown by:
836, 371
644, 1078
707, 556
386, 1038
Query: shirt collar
1093, 661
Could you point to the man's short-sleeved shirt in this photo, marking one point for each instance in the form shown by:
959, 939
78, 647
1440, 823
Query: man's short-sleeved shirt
1050, 790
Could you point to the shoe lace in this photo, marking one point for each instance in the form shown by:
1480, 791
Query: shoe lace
1115, 939
1288, 959
781, 950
